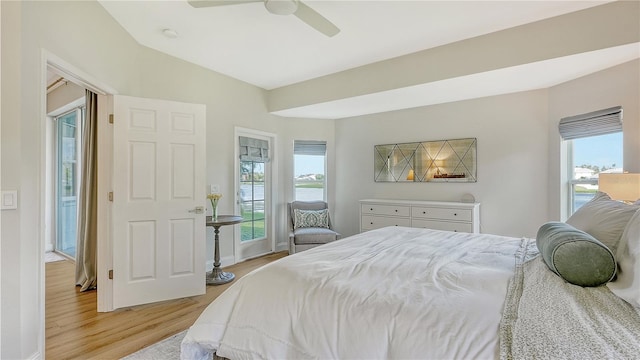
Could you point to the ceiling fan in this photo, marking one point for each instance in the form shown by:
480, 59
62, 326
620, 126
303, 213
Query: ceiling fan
281, 7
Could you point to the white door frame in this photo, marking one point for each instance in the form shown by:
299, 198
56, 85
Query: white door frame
77, 76
240, 131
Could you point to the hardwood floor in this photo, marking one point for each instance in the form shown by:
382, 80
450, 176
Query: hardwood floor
75, 330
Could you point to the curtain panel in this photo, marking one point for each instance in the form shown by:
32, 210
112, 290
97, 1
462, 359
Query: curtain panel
86, 264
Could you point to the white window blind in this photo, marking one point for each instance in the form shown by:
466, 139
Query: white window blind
595, 123
253, 149
309, 147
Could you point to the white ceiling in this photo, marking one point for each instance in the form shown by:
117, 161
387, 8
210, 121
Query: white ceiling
246, 42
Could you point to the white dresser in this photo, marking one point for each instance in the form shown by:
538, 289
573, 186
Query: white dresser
437, 215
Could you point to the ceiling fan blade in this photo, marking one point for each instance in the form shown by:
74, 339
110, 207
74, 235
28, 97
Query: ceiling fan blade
210, 3
315, 20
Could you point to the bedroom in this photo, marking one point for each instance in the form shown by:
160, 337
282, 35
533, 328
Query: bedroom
529, 118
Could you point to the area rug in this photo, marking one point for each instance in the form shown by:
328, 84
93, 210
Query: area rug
167, 349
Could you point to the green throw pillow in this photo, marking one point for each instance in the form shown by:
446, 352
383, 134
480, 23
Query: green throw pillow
575, 255
310, 218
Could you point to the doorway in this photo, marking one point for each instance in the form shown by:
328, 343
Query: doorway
255, 178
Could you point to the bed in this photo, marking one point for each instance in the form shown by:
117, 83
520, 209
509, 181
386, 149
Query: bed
407, 293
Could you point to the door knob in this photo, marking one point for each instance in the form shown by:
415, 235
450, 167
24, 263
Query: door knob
197, 210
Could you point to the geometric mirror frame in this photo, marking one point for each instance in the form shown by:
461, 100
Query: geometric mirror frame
426, 161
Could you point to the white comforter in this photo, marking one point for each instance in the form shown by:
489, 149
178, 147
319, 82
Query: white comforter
401, 293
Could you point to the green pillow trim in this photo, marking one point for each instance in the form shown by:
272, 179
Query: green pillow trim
574, 255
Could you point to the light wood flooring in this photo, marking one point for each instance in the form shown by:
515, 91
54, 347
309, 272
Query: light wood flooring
75, 330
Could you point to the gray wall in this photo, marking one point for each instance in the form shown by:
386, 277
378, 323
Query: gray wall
96, 44
518, 147
619, 85
512, 162
520, 169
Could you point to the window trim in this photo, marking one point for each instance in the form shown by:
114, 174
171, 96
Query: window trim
595, 123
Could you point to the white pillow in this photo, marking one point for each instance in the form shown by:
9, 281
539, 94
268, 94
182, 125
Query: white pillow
627, 284
603, 218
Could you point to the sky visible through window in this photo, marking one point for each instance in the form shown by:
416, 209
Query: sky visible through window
308, 164
603, 150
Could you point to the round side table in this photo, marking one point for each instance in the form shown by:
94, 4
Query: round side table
216, 276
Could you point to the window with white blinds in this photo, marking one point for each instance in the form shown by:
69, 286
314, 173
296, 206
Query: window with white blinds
309, 157
601, 122
310, 147
594, 146
253, 149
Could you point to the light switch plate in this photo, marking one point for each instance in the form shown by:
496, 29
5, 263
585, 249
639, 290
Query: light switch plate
214, 189
9, 199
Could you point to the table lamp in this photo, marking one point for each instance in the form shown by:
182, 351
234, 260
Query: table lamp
624, 187
411, 175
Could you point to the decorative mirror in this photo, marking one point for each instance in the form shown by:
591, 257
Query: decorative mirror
434, 161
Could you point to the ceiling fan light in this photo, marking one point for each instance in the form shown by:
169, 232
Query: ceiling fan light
281, 7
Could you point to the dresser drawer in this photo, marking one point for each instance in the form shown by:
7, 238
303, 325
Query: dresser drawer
393, 210
437, 215
441, 213
370, 222
442, 225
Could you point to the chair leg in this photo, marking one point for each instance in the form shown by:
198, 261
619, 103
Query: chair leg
292, 247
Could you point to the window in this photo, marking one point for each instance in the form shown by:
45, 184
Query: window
254, 159
594, 146
592, 156
252, 199
309, 159
67, 179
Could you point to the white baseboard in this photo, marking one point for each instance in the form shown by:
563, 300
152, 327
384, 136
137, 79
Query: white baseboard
282, 246
35, 356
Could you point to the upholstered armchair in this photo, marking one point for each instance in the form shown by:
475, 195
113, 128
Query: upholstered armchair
310, 227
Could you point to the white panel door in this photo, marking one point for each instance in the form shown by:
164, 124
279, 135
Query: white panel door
158, 185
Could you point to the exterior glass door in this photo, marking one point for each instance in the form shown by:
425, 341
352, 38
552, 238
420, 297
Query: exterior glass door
253, 188
67, 179
252, 200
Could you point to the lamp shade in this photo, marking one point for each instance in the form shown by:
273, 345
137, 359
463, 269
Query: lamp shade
624, 187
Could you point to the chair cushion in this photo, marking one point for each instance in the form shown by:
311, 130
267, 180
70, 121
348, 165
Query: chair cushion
314, 235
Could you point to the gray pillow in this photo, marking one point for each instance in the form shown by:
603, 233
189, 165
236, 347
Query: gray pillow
603, 218
575, 255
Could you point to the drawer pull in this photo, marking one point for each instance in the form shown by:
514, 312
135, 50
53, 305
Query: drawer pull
372, 223
455, 214
371, 209
396, 210
424, 212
